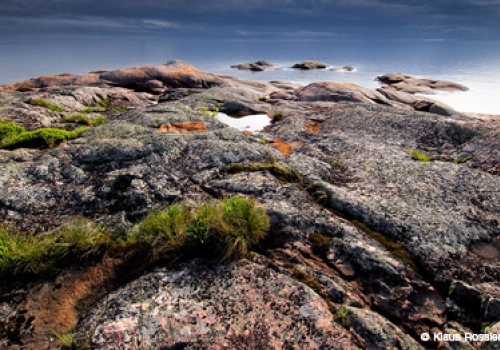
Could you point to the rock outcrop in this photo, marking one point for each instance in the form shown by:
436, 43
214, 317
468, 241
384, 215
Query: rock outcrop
368, 247
308, 65
257, 66
410, 84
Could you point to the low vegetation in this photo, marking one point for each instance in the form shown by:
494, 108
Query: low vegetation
84, 119
278, 115
13, 136
224, 230
209, 112
320, 244
40, 102
418, 155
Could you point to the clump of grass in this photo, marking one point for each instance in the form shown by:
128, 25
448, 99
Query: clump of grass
23, 254
278, 115
395, 248
320, 244
235, 225
418, 155
40, 102
81, 238
100, 106
84, 120
164, 231
225, 229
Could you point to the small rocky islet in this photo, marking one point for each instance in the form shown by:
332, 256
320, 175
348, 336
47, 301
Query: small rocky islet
383, 206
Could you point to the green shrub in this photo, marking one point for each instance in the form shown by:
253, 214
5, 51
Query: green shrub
164, 231
43, 137
84, 120
418, 155
40, 102
263, 99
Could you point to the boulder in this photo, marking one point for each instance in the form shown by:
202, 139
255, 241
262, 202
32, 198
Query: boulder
257, 66
204, 305
308, 65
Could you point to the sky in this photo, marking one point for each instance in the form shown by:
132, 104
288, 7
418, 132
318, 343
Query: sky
252, 19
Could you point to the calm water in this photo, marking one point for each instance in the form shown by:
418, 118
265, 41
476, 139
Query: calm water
474, 64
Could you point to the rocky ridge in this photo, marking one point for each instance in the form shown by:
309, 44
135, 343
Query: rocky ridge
412, 246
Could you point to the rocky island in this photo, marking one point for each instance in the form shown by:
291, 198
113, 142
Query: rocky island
133, 218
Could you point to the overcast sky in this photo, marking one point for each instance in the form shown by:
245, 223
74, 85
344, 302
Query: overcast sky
253, 19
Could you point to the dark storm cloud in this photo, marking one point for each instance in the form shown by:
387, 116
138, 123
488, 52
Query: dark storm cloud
289, 18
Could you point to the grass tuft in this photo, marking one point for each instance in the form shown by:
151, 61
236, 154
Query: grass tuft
278, 115
23, 254
164, 231
81, 238
40, 102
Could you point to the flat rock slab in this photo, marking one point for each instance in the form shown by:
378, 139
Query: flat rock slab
204, 306
411, 84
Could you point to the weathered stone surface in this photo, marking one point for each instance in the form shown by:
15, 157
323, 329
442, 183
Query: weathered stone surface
375, 332
202, 306
429, 267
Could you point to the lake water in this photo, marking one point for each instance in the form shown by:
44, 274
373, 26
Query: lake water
474, 64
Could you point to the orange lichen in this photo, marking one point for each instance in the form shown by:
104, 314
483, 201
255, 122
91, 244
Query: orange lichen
183, 127
282, 146
313, 127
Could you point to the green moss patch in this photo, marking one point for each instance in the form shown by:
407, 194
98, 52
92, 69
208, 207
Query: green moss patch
84, 119
17, 137
418, 155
